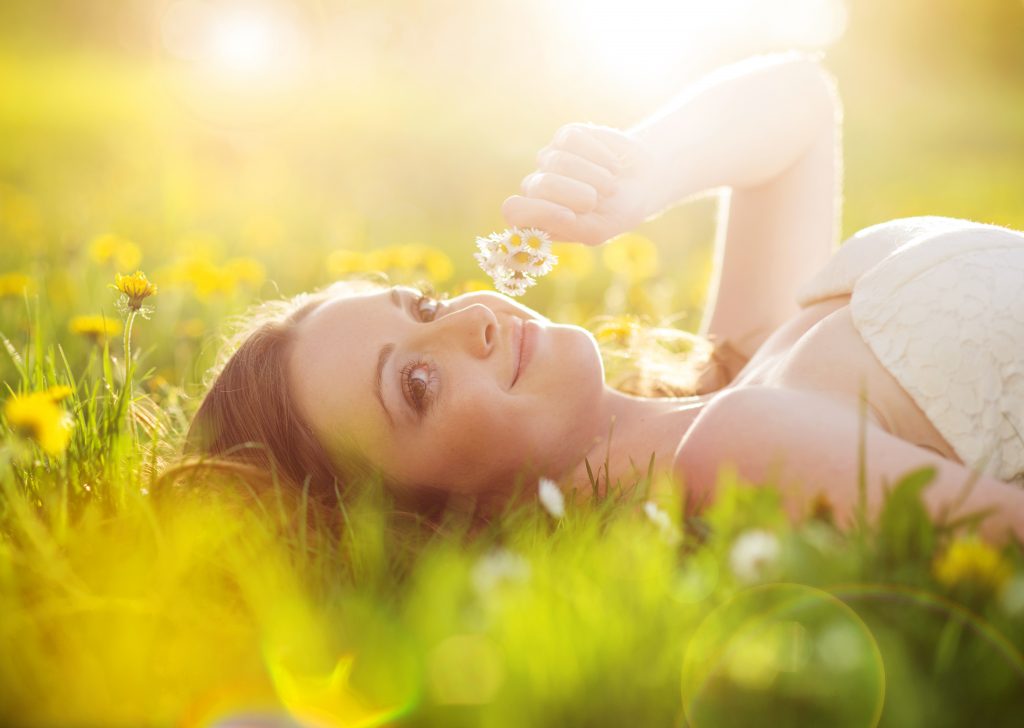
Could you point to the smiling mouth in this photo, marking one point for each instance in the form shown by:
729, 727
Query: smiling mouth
518, 352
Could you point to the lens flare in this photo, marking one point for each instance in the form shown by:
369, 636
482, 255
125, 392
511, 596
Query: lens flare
792, 649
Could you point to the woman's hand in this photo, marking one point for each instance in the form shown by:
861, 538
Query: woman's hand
591, 184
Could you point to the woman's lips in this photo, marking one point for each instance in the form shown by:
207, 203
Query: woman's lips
525, 347
517, 349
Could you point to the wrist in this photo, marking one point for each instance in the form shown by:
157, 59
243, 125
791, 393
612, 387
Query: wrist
666, 171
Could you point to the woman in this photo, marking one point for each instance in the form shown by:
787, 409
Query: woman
475, 396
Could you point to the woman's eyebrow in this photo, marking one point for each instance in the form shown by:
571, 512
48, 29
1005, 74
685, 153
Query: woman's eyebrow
382, 360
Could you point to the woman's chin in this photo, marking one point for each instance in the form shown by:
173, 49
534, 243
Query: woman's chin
586, 364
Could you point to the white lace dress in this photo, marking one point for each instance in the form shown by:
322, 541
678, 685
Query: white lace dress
940, 302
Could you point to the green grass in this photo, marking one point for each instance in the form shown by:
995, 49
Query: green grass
128, 600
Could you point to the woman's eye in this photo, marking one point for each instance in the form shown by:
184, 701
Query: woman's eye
416, 383
426, 307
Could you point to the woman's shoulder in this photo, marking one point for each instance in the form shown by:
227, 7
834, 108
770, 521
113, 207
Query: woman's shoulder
869, 247
750, 427
738, 418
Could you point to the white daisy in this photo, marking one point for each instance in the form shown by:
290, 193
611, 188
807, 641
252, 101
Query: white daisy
542, 263
513, 283
497, 567
753, 555
551, 497
536, 240
486, 262
663, 521
513, 257
488, 246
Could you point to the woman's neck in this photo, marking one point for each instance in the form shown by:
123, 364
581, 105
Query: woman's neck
629, 431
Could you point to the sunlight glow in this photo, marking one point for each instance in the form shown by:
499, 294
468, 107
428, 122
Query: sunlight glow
244, 42
240, 63
641, 41
241, 38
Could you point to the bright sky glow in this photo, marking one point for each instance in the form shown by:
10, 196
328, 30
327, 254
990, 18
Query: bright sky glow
244, 41
244, 37
640, 41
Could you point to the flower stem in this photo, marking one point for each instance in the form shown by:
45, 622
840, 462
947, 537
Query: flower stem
127, 390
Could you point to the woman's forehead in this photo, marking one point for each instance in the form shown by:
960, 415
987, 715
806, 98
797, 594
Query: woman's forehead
341, 321
349, 298
332, 362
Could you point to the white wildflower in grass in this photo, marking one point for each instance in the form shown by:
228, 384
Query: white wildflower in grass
754, 555
551, 497
663, 521
498, 567
514, 258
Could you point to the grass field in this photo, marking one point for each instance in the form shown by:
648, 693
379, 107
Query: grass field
122, 606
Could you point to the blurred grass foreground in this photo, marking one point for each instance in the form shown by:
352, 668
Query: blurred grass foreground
383, 136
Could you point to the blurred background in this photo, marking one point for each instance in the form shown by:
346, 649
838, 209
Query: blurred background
242, 149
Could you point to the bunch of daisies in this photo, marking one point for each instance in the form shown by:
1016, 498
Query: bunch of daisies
515, 258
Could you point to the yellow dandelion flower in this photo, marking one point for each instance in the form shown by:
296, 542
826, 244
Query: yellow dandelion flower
59, 392
96, 328
405, 257
19, 213
631, 255
206, 278
203, 246
136, 288
262, 232
438, 265
381, 259
127, 255
575, 261
101, 249
37, 417
475, 284
15, 285
619, 330
123, 253
157, 383
246, 270
340, 262
973, 563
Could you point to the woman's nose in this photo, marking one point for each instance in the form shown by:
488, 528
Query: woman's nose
474, 328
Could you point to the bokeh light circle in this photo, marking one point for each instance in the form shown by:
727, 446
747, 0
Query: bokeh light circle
790, 651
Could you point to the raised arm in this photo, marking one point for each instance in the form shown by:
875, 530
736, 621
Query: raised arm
766, 128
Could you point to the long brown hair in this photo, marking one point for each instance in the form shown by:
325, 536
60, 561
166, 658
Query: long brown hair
248, 427
240, 408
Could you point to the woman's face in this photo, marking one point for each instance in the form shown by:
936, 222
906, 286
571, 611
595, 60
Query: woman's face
461, 394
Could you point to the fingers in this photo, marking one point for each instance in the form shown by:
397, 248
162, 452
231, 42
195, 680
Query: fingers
602, 145
560, 223
522, 211
577, 196
577, 173
620, 143
568, 164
